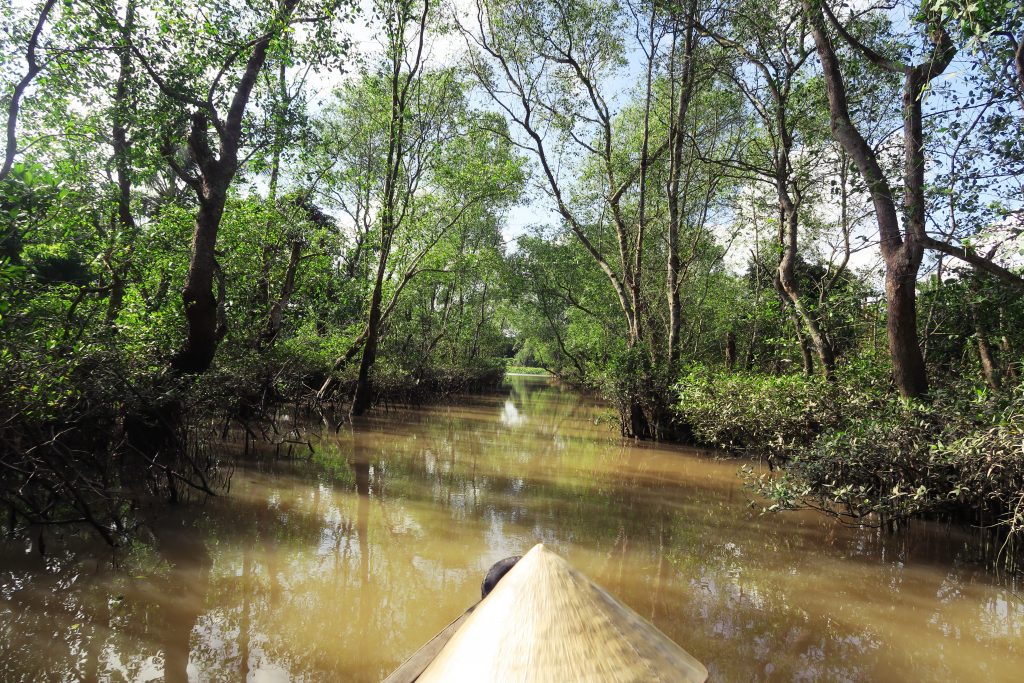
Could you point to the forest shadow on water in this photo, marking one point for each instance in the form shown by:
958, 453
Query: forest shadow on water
339, 565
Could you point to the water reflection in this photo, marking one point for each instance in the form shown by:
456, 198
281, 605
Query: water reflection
510, 415
336, 568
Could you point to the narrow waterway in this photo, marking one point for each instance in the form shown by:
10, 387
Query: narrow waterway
337, 567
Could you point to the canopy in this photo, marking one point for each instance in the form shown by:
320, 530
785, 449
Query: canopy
545, 621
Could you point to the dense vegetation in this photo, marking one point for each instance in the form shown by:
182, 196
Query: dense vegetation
791, 230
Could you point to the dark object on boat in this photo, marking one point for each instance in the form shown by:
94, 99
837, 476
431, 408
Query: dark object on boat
494, 574
546, 622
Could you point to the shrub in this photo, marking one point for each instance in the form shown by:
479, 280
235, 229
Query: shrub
756, 414
854, 450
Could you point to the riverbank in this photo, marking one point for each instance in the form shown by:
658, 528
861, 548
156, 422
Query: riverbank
526, 371
855, 449
98, 445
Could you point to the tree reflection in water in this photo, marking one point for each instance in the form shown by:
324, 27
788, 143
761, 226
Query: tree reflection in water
182, 595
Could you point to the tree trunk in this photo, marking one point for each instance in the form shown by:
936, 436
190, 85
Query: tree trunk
14, 103
806, 357
479, 326
270, 248
331, 382
789, 223
677, 143
1008, 362
200, 303
390, 218
730, 350
1006, 348
904, 263
908, 366
989, 367
362, 397
902, 258
287, 289
787, 284
122, 164
639, 427
327, 388
748, 356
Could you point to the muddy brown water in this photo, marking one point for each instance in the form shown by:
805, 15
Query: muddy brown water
336, 567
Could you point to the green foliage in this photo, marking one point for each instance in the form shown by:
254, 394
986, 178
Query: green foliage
854, 449
756, 414
525, 370
959, 455
393, 195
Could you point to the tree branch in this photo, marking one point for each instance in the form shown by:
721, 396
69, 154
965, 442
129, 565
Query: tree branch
19, 90
976, 260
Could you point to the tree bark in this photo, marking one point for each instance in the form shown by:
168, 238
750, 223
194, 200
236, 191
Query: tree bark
787, 284
201, 339
989, 367
287, 289
361, 397
14, 106
1006, 347
909, 373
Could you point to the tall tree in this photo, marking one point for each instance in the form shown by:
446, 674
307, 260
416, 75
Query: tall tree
214, 93
902, 248
682, 57
774, 42
903, 238
404, 21
408, 162
119, 125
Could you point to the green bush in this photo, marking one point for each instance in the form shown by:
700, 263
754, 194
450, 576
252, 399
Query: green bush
957, 456
756, 414
854, 449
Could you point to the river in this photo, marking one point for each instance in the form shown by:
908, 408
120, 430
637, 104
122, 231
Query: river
335, 566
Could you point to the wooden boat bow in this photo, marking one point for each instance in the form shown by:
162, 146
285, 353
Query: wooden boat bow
547, 622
